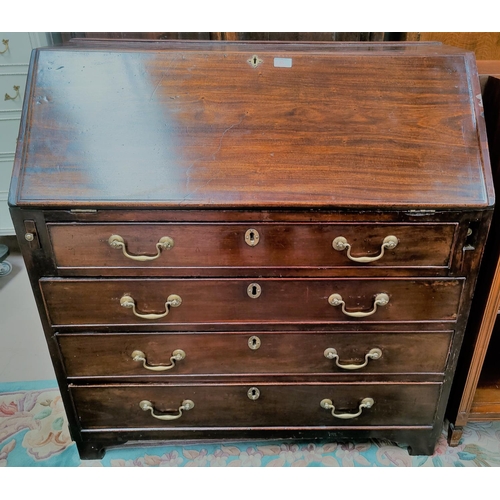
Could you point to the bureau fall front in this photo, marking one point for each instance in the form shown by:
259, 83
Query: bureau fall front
252, 241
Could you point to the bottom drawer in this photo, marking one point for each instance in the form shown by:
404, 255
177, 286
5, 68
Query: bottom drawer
260, 406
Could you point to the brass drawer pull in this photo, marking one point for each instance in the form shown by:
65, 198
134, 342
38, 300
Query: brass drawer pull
331, 353
381, 299
340, 244
9, 98
172, 301
186, 405
165, 243
177, 355
327, 404
6, 43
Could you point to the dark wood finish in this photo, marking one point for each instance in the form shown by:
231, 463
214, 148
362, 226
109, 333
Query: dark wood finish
476, 394
223, 245
230, 144
208, 301
228, 406
110, 355
146, 135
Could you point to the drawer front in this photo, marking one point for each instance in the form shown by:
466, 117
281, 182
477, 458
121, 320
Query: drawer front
12, 86
9, 130
17, 50
102, 302
230, 406
111, 355
250, 245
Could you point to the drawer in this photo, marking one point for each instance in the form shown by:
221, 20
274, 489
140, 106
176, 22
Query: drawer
272, 406
192, 245
18, 48
194, 301
9, 130
111, 355
13, 86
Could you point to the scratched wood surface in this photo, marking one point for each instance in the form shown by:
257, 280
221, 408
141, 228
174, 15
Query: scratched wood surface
227, 303
358, 136
195, 124
228, 355
224, 245
115, 407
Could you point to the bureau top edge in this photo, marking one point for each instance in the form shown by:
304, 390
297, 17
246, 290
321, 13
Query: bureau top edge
411, 209
237, 45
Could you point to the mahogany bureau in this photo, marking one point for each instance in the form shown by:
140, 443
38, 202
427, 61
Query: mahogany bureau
252, 241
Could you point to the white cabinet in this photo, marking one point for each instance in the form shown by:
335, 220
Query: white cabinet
15, 53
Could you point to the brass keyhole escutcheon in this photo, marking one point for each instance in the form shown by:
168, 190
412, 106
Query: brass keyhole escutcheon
252, 237
253, 393
254, 61
254, 342
254, 290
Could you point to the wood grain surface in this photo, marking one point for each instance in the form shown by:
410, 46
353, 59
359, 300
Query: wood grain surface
302, 142
110, 355
228, 406
180, 124
224, 245
226, 301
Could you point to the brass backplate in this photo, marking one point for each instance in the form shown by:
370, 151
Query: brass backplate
254, 342
252, 237
254, 290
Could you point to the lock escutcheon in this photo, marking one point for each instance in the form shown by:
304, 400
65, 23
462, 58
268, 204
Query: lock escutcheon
253, 393
252, 237
254, 290
254, 342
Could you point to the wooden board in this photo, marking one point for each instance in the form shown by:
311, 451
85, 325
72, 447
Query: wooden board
205, 128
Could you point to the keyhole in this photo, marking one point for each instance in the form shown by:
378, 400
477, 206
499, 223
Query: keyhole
254, 290
254, 61
252, 237
254, 343
253, 393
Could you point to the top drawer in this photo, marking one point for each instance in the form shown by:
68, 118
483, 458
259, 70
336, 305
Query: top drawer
15, 48
258, 245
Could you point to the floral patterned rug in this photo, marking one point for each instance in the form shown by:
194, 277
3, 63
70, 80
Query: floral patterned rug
34, 432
